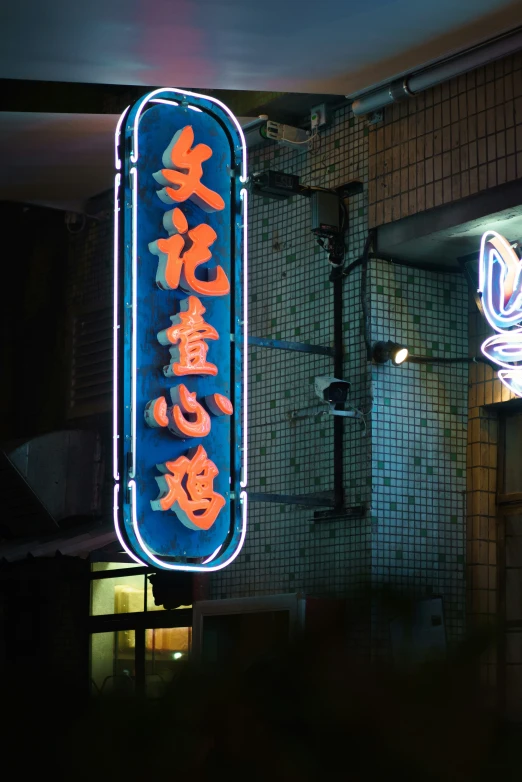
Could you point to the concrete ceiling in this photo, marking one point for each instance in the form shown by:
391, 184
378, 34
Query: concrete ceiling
331, 46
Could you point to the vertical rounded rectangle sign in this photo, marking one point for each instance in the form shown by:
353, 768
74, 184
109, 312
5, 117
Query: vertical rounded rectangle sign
180, 332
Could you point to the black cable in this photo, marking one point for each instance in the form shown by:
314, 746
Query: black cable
445, 360
363, 292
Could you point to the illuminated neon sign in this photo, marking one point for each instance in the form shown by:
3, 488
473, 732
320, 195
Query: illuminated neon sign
180, 332
500, 284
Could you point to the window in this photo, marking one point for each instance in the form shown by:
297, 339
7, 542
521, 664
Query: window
136, 646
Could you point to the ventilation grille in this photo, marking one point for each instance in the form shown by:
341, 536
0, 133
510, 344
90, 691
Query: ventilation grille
91, 372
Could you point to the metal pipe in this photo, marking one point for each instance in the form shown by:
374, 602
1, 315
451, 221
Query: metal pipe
411, 84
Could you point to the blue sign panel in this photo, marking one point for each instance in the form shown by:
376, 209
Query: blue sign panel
180, 330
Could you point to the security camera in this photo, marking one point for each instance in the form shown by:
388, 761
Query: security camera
331, 390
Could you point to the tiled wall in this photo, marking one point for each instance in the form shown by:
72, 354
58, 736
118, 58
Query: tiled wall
456, 139
419, 423
291, 299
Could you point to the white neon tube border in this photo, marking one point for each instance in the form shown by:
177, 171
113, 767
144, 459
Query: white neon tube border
117, 138
244, 476
485, 288
193, 568
148, 98
115, 328
134, 178
511, 379
129, 551
243, 178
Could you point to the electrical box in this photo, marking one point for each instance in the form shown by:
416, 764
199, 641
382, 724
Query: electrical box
326, 213
275, 184
318, 117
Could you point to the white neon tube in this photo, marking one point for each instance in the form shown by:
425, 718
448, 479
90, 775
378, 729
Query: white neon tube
244, 476
134, 179
149, 97
131, 554
117, 161
495, 313
115, 328
193, 568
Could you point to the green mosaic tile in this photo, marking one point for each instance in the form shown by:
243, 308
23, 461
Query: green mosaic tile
411, 279
398, 293
460, 559
368, 480
380, 465
247, 557
317, 250
322, 433
292, 461
429, 305
332, 533
278, 334
253, 298
429, 470
279, 298
453, 457
380, 289
429, 352
416, 461
257, 526
317, 326
311, 380
442, 557
258, 378
297, 468
337, 143
453, 325
264, 237
424, 422
273, 435
411, 500
387, 401
297, 331
293, 309
317, 481
265, 221
453, 519
387, 481
398, 554
423, 533
287, 393
291, 258
453, 409
262, 481
253, 355
434, 345
346, 326
447, 347
311, 297
360, 211
366, 131
302, 552
460, 472
268, 548
353, 483
416, 318
266, 201
277, 152
272, 404
447, 432
291, 577
351, 123
331, 168
429, 369
282, 509
273, 322
262, 451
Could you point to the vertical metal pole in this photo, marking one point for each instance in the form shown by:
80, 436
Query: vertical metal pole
338, 372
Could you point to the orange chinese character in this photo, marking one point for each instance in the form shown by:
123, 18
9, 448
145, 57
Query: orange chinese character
177, 270
189, 481
187, 417
183, 171
190, 355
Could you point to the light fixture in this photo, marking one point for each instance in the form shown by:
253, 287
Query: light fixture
386, 351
